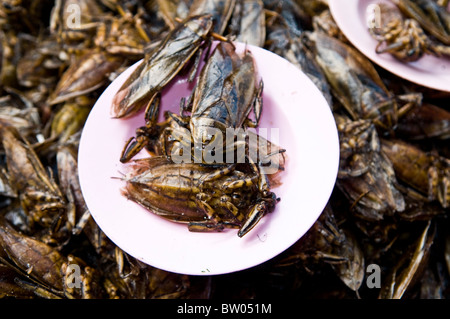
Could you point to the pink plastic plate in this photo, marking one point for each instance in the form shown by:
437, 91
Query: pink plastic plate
307, 131
351, 17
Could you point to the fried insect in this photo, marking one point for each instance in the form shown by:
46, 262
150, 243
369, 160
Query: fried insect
403, 38
225, 101
427, 121
356, 84
204, 197
161, 65
248, 22
39, 194
366, 175
220, 11
223, 97
434, 18
48, 273
407, 271
88, 73
426, 172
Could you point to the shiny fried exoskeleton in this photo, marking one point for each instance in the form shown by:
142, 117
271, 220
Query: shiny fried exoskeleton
26, 120
403, 38
161, 65
122, 34
204, 197
224, 101
98, 46
60, 19
172, 138
366, 176
225, 94
89, 72
48, 273
409, 266
70, 118
40, 64
427, 121
358, 142
434, 18
220, 11
248, 22
425, 172
39, 194
324, 22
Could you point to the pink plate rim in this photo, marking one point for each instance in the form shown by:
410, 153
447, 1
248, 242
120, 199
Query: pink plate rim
429, 71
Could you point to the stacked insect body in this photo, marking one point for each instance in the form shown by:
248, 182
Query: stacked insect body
223, 98
206, 192
225, 94
206, 198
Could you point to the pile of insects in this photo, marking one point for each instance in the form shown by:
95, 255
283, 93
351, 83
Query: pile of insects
208, 195
384, 232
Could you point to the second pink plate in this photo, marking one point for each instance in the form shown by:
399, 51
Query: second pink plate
351, 17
